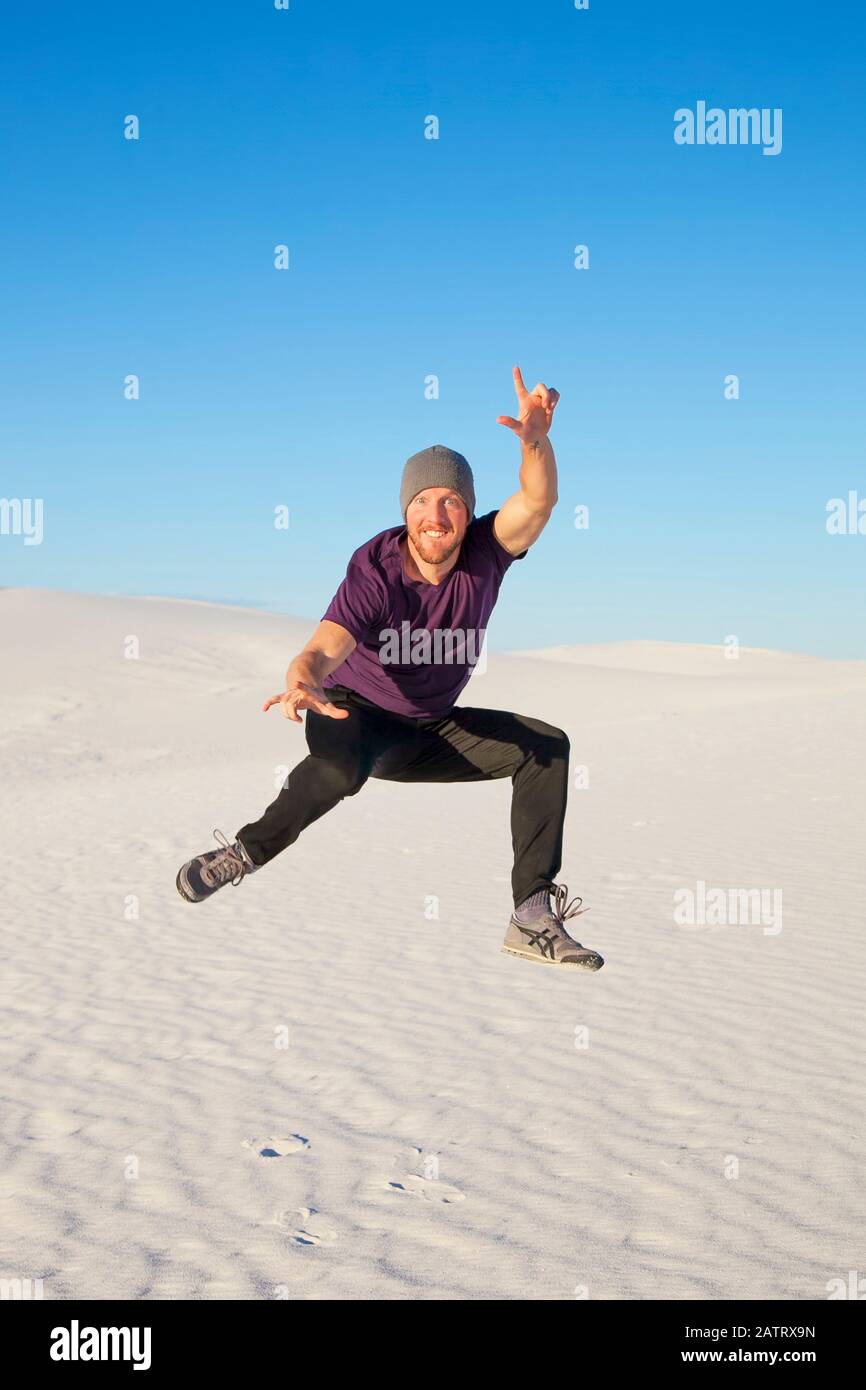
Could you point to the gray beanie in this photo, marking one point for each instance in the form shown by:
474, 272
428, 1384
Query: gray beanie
437, 467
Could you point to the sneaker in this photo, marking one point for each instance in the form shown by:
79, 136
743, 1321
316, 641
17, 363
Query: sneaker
546, 940
200, 877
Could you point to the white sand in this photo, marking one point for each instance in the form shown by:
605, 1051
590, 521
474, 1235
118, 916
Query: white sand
141, 1074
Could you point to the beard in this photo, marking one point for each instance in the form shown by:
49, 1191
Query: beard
435, 552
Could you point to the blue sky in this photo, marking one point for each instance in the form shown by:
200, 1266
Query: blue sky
453, 257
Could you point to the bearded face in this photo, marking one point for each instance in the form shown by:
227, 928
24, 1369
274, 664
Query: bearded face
436, 521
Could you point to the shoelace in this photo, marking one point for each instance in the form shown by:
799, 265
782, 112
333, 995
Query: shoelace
228, 863
561, 910
574, 909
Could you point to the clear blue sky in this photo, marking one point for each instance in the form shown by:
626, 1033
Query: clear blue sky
411, 257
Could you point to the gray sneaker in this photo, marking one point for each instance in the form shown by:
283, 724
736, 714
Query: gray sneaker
200, 877
546, 940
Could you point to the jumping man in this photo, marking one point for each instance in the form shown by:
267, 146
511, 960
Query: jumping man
380, 676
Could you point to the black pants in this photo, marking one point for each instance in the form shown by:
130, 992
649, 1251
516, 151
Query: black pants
467, 745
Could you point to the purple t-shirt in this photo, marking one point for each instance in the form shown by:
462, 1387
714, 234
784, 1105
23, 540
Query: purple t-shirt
418, 643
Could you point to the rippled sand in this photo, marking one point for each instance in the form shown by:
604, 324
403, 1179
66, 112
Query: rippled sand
308, 1087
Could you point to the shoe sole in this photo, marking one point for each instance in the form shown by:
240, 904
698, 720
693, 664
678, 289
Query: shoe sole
545, 960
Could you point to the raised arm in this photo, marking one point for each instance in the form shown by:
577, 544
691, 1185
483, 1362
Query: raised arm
523, 516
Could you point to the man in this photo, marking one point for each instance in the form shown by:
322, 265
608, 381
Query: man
380, 676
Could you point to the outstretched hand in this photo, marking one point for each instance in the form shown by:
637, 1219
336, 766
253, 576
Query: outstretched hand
535, 410
303, 696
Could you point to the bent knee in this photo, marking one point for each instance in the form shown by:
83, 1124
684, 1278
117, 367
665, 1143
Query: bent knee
343, 779
555, 740
548, 745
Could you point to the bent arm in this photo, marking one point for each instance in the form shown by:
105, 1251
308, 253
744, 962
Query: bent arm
327, 649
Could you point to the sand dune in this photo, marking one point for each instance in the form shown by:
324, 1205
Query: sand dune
306, 1088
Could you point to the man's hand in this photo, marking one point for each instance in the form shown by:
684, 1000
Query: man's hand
536, 410
305, 696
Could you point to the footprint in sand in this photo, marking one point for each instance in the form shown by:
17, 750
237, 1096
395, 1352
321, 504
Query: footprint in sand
314, 1228
429, 1189
277, 1146
424, 1185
